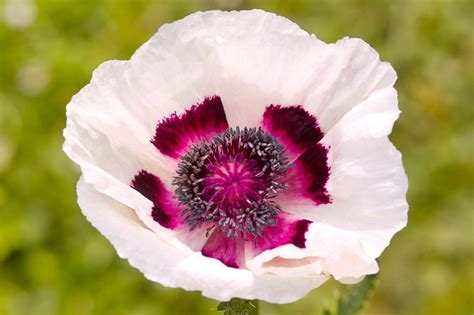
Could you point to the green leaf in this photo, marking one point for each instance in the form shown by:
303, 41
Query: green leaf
353, 302
238, 307
222, 306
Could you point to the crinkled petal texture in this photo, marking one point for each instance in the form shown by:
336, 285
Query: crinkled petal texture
330, 105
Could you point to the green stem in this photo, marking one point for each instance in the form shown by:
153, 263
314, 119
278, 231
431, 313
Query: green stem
353, 302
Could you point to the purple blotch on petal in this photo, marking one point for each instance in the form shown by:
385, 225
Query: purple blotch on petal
301, 227
286, 231
164, 211
203, 120
228, 250
309, 176
314, 167
297, 129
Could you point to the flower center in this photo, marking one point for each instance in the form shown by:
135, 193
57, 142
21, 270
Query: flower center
229, 182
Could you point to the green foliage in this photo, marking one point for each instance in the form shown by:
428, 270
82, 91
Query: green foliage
238, 307
353, 302
52, 262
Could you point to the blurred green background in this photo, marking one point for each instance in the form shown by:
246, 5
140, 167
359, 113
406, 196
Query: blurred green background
53, 262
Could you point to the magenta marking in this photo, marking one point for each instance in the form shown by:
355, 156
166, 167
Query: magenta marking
202, 120
297, 129
227, 250
164, 210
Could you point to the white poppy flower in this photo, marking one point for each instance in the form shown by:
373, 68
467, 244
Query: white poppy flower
237, 155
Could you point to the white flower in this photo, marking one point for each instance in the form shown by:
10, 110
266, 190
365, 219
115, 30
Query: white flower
237, 155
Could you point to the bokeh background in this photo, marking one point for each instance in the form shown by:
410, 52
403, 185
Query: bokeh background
53, 262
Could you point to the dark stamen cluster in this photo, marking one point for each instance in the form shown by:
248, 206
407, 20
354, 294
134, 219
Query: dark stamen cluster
229, 182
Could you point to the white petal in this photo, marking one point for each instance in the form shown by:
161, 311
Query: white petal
110, 168
245, 57
110, 105
164, 263
287, 260
341, 253
352, 72
367, 187
329, 251
261, 70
